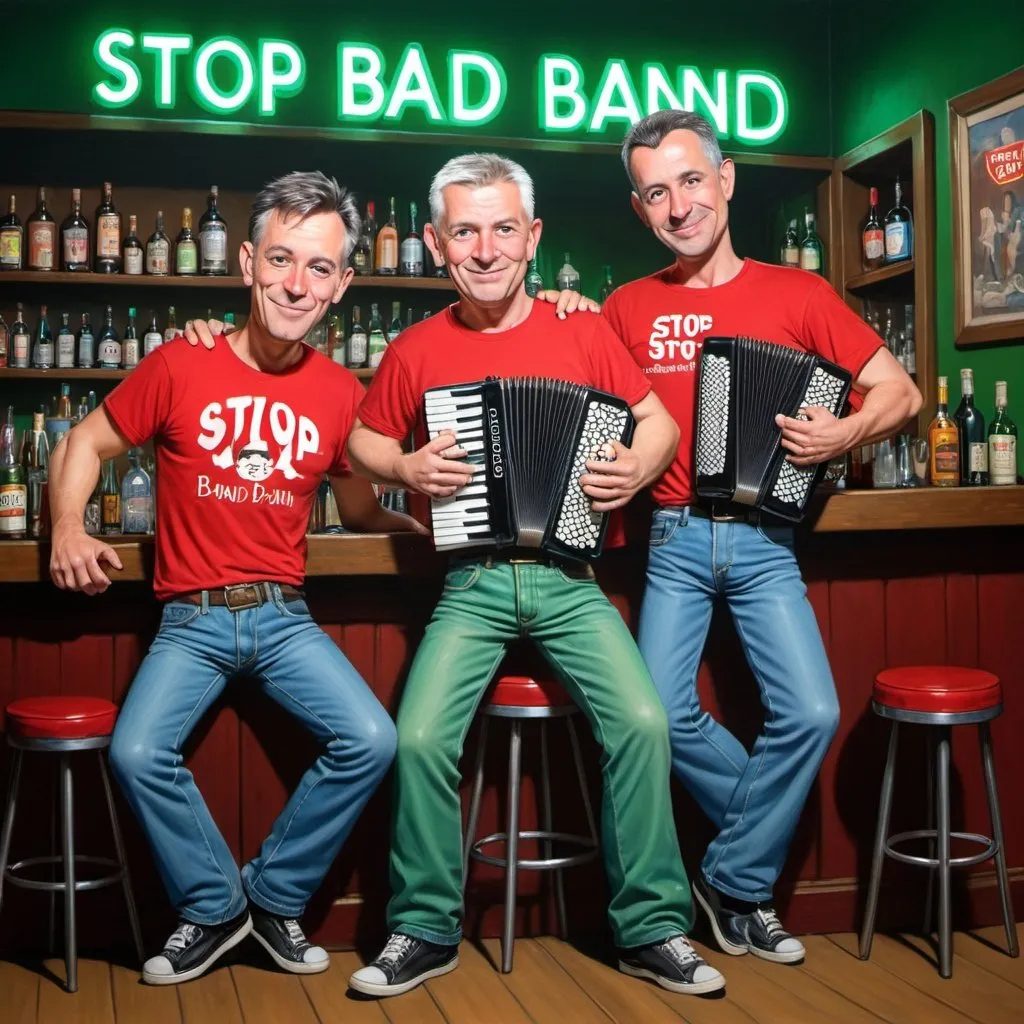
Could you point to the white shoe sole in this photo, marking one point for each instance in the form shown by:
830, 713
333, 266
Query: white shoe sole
195, 972
698, 988
724, 944
290, 965
778, 958
368, 988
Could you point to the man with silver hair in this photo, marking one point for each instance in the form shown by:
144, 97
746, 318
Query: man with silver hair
484, 231
230, 559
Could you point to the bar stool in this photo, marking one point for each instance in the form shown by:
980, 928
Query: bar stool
520, 698
64, 725
941, 697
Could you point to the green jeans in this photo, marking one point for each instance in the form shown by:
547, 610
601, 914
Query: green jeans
483, 608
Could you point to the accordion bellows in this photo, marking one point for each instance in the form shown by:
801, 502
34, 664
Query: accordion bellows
744, 384
530, 439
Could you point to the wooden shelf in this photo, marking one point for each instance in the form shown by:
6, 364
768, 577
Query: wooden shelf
76, 374
215, 283
867, 280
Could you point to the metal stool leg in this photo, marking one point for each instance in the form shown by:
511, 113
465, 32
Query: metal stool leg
474, 803
942, 817
51, 924
581, 776
12, 804
511, 844
989, 765
68, 824
929, 823
122, 860
546, 824
867, 932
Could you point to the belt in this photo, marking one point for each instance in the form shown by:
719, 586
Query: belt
721, 511
241, 596
518, 556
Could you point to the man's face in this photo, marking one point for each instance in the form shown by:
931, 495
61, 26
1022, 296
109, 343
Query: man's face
296, 272
485, 240
680, 196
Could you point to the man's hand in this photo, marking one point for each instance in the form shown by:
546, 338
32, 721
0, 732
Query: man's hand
612, 484
75, 560
433, 470
817, 439
205, 331
568, 301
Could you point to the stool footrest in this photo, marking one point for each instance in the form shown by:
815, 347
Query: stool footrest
991, 848
80, 886
546, 864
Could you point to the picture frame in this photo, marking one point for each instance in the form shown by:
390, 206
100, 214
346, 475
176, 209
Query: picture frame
986, 137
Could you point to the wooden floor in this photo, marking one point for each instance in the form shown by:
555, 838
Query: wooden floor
552, 983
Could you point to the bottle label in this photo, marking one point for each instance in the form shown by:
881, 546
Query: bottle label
111, 513
3, 346
361, 261
945, 455
133, 261
171, 333
130, 352
110, 354
388, 253
43, 354
86, 351
10, 247
41, 243
13, 508
76, 245
897, 240
157, 256
214, 244
153, 340
66, 351
92, 518
186, 258
20, 348
138, 514
874, 244
108, 235
977, 457
1002, 459
412, 257
810, 258
357, 349
567, 282
377, 347
791, 256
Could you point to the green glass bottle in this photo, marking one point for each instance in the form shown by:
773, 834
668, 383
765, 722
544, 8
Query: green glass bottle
1002, 442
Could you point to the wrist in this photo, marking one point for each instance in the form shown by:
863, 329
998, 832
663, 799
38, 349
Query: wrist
68, 524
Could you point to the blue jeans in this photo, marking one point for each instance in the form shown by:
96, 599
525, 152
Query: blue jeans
753, 799
282, 650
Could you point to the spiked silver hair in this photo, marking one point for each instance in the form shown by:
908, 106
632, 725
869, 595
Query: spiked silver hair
476, 170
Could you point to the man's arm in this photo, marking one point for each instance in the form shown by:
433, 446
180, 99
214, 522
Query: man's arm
74, 471
361, 511
655, 441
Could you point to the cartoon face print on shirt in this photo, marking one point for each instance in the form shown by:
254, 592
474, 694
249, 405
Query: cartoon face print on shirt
254, 461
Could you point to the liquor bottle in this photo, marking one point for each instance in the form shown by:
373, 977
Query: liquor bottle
171, 330
568, 277
91, 398
229, 322
911, 348
534, 282
12, 239
136, 497
21, 340
891, 339
970, 425
152, 339
130, 345
107, 258
376, 342
873, 237
358, 343
608, 287
158, 249
41, 229
65, 344
339, 349
109, 343
412, 248
74, 236
789, 250
943, 443
362, 255
213, 238
132, 252
395, 327
83, 409
86, 344
812, 249
4, 341
37, 475
387, 245
186, 254
899, 231
93, 518
42, 347
13, 492
1002, 442
110, 521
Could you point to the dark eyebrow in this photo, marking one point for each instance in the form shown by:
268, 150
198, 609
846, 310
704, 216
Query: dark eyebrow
283, 250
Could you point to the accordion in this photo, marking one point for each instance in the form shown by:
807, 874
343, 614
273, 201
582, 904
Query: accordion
744, 385
529, 439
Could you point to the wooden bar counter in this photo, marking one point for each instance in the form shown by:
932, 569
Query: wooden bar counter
895, 578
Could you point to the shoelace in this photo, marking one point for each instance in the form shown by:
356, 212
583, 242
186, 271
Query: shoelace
680, 950
771, 922
395, 948
184, 935
291, 926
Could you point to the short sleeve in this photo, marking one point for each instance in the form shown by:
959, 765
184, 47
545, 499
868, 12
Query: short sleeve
614, 369
350, 396
390, 407
141, 404
832, 330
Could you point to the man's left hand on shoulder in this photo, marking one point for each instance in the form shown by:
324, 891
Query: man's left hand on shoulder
612, 484
568, 301
817, 439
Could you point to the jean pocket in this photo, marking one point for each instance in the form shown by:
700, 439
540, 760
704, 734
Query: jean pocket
178, 613
663, 529
294, 609
461, 577
777, 533
576, 574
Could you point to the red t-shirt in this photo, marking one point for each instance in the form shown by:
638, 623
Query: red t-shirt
663, 324
240, 455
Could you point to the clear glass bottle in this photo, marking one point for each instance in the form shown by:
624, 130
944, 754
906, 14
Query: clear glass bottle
789, 249
812, 249
37, 474
899, 231
65, 344
358, 342
395, 327
387, 244
136, 497
21, 340
568, 277
362, 255
152, 339
86, 344
411, 256
213, 238
171, 330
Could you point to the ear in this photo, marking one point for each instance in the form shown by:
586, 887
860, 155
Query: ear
246, 257
533, 237
433, 240
727, 177
346, 279
638, 208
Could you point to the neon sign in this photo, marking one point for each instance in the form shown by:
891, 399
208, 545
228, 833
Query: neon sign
225, 75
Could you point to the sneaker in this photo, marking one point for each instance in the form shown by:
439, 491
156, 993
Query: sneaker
402, 964
674, 964
283, 939
193, 948
759, 932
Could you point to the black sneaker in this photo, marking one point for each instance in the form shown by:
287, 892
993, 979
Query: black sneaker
192, 948
402, 964
759, 932
674, 964
282, 938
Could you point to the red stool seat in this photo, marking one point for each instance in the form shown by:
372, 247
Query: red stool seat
937, 689
524, 692
62, 718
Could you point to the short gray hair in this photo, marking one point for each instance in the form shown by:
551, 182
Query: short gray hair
305, 193
650, 132
475, 170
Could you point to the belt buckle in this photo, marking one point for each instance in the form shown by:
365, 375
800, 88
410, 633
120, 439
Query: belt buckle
524, 561
724, 517
241, 603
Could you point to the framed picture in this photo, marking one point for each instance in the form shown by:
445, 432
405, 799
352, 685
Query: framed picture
986, 135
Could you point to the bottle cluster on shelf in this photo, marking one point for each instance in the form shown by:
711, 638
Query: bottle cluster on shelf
894, 324
379, 249
807, 251
891, 240
361, 345
325, 518
104, 248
